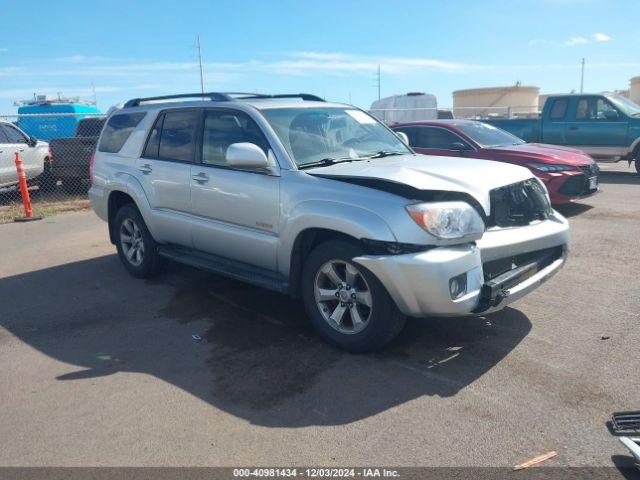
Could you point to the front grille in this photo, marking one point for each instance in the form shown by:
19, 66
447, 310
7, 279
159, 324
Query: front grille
578, 185
575, 186
591, 170
543, 258
518, 204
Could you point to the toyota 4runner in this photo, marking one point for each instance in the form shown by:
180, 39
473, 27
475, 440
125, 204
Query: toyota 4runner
321, 201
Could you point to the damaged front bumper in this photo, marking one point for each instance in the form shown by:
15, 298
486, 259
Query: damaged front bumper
505, 265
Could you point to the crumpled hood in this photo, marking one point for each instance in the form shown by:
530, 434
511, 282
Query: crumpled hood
427, 172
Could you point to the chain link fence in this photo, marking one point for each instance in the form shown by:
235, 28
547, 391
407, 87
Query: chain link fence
56, 151
405, 115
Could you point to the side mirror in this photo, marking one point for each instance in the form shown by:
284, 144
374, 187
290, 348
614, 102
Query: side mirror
247, 156
611, 115
458, 146
403, 136
33, 141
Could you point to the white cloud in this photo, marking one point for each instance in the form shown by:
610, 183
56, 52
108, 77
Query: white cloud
601, 37
572, 41
575, 41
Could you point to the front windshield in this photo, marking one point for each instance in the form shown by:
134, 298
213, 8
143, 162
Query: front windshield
488, 136
627, 106
315, 134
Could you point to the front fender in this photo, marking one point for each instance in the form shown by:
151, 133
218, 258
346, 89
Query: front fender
344, 218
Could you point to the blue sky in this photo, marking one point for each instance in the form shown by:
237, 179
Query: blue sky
331, 48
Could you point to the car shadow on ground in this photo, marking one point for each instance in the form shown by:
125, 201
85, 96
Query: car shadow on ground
573, 209
619, 178
258, 359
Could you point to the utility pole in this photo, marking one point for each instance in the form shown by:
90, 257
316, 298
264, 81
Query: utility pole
582, 77
93, 88
378, 81
200, 63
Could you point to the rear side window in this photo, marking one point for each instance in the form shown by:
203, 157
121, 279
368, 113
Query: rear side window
410, 132
558, 109
3, 137
173, 136
117, 130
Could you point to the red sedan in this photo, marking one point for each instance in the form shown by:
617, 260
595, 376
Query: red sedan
569, 174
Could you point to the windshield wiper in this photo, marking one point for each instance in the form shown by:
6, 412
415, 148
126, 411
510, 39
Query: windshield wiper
385, 153
326, 162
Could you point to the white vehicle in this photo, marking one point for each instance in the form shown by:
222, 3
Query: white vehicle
34, 154
412, 107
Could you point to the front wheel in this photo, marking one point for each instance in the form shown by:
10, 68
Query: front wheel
345, 302
136, 247
636, 158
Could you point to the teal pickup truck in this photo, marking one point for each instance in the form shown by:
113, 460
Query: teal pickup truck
607, 127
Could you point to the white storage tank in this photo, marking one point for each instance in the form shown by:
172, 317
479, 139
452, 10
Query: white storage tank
517, 100
412, 107
634, 89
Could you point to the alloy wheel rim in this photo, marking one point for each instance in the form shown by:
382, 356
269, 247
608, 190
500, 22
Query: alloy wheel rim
343, 296
132, 242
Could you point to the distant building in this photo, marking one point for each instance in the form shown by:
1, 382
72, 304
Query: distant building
516, 100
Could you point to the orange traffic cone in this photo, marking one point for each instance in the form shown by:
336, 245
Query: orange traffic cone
24, 191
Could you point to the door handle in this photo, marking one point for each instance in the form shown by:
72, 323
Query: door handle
201, 177
21, 149
573, 127
146, 169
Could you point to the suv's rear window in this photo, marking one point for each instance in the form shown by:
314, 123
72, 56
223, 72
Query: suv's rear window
117, 130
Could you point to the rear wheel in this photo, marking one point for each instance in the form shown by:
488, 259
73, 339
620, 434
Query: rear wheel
137, 249
636, 157
345, 302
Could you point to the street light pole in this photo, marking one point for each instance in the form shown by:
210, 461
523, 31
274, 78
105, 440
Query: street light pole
582, 77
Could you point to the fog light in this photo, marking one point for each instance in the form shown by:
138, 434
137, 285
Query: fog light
458, 286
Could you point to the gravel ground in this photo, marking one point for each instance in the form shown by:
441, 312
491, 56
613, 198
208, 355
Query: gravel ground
101, 369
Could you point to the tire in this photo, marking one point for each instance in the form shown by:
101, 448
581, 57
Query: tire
356, 326
636, 158
137, 249
45, 181
638, 165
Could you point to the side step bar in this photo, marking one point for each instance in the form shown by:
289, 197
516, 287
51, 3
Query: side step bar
229, 268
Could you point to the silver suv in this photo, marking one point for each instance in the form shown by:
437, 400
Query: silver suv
321, 201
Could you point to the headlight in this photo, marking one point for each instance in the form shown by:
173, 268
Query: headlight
546, 167
447, 220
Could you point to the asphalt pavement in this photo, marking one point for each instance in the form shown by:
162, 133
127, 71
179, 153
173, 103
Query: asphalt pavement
99, 368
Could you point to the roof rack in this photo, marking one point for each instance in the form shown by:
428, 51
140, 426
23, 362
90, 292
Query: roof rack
224, 97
